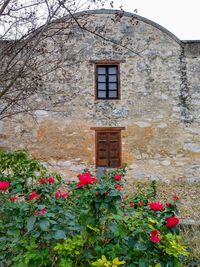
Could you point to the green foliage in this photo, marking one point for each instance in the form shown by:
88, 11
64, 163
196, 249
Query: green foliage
172, 247
143, 194
70, 249
32, 255
103, 262
19, 169
90, 223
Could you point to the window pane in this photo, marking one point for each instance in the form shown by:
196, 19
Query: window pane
101, 78
113, 94
101, 86
101, 94
112, 86
101, 70
112, 78
112, 70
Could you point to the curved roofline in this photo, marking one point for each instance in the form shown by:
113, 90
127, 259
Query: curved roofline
129, 14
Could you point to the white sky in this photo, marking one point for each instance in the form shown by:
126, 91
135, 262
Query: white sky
181, 17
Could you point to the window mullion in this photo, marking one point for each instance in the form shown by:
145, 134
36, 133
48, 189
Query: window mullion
107, 84
117, 82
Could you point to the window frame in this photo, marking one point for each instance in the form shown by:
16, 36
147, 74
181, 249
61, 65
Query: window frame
107, 64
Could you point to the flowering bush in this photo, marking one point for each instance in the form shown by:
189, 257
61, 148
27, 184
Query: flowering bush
91, 222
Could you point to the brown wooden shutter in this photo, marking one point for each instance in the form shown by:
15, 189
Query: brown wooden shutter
108, 146
102, 149
114, 149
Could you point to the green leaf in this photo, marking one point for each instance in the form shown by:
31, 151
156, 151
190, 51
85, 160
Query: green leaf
141, 246
177, 263
59, 234
30, 223
143, 263
131, 243
41, 207
49, 214
44, 225
113, 227
53, 222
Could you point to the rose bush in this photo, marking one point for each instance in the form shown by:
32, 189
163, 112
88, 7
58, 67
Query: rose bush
48, 222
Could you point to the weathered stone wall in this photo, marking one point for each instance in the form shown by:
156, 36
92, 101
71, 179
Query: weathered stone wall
192, 100
158, 106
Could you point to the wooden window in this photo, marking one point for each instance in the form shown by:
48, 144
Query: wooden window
107, 81
108, 147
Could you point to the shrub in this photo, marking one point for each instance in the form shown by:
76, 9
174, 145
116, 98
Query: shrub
48, 222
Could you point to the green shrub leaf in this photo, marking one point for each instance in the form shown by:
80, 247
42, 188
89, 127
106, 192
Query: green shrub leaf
30, 223
59, 234
44, 225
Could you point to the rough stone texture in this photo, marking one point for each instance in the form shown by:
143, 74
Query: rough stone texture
159, 105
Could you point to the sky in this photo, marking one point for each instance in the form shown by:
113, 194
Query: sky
181, 17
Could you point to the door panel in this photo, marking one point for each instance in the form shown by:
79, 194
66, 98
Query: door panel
102, 136
108, 149
114, 136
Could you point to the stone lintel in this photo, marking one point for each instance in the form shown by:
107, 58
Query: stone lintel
107, 128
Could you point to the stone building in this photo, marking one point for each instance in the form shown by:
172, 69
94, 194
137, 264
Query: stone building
132, 96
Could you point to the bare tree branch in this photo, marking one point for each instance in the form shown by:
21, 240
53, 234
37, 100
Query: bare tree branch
27, 60
5, 4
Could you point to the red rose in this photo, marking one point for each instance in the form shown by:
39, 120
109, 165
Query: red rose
157, 206
118, 177
65, 195
34, 195
172, 221
13, 198
118, 187
154, 236
97, 194
4, 185
42, 180
125, 214
168, 204
57, 193
132, 204
84, 179
176, 198
51, 180
40, 211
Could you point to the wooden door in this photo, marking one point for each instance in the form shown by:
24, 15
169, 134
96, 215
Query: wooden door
108, 149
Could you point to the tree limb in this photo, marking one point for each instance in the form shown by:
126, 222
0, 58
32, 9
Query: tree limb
5, 4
